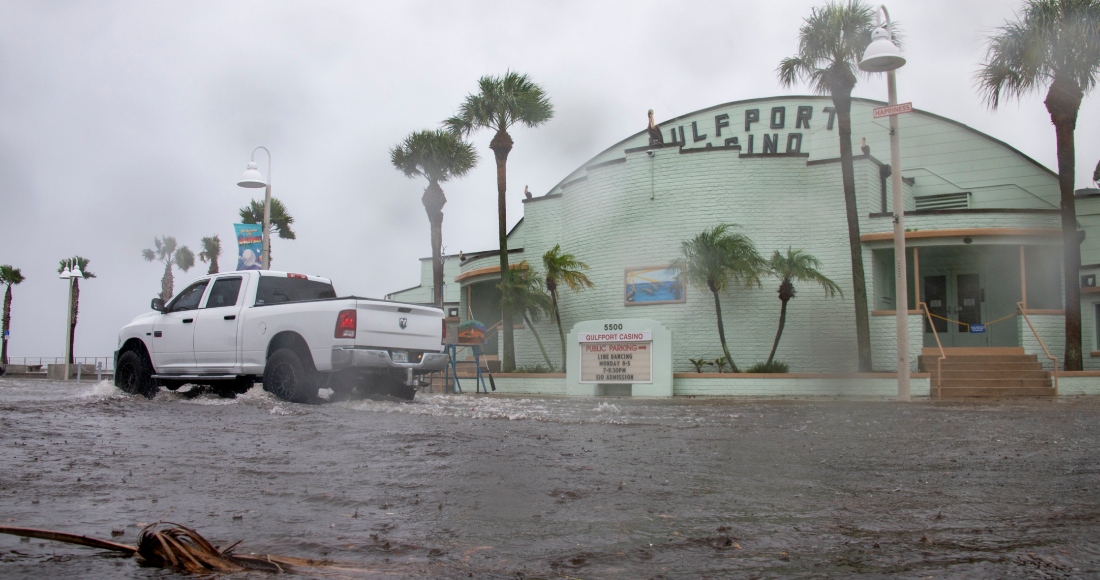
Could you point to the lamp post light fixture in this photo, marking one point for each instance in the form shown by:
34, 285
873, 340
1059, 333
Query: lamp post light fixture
252, 179
70, 274
882, 55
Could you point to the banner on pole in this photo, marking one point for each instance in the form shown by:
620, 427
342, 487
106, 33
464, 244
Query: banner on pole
249, 246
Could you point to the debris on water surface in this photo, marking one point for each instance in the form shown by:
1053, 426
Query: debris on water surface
168, 545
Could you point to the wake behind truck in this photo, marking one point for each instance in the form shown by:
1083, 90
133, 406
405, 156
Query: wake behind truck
289, 331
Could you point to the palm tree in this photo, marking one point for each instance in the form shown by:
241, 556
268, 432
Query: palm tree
521, 293
253, 213
714, 260
563, 268
211, 251
500, 103
10, 276
167, 252
437, 155
1054, 44
795, 266
69, 264
830, 44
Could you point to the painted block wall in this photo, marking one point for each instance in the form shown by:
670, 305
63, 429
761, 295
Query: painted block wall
884, 342
634, 214
634, 210
1052, 329
753, 386
782, 386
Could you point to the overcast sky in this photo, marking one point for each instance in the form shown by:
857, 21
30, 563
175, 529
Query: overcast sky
123, 121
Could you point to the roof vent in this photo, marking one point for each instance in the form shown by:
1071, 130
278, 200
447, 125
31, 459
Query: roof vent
944, 201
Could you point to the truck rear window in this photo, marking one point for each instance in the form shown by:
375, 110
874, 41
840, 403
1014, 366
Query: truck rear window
276, 290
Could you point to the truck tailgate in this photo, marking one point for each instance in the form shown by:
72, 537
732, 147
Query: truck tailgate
399, 326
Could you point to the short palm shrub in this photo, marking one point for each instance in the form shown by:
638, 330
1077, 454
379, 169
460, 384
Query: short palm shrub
772, 366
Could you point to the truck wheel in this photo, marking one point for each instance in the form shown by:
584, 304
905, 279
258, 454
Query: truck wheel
134, 376
288, 377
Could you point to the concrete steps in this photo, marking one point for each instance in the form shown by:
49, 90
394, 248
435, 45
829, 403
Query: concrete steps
986, 373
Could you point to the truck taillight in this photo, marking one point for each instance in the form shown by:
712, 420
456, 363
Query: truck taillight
345, 324
444, 339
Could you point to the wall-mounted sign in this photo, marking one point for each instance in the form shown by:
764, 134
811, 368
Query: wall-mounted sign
653, 285
977, 328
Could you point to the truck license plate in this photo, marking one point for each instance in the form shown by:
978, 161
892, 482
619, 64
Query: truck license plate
399, 356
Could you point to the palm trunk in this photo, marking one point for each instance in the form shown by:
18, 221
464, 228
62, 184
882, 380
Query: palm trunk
842, 100
1063, 102
546, 357
76, 309
501, 146
557, 317
779, 331
4, 327
434, 200
166, 281
722, 331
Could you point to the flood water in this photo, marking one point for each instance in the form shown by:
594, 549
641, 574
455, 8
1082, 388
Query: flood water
511, 487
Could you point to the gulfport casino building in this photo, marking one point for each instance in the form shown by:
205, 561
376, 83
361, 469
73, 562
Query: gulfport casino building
982, 220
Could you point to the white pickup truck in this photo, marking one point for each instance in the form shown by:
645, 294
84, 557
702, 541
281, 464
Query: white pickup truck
288, 330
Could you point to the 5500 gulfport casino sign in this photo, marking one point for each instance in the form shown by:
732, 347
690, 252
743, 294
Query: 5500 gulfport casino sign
616, 357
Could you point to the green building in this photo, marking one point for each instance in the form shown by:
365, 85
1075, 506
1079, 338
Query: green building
982, 219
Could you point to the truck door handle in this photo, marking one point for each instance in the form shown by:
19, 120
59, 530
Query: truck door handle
230, 317
188, 320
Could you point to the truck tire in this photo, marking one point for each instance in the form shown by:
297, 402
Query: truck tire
290, 378
134, 375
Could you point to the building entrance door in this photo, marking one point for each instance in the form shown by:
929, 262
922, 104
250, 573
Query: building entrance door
957, 297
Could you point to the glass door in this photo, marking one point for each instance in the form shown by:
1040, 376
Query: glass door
955, 301
969, 299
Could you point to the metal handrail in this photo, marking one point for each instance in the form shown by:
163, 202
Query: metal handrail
943, 355
1020, 307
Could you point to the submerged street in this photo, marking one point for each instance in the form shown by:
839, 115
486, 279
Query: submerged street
509, 487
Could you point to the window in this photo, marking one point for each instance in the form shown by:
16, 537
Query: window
276, 290
224, 292
189, 298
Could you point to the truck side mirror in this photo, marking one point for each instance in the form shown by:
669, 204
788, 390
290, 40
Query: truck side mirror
157, 304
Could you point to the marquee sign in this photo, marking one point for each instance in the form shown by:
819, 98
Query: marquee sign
615, 356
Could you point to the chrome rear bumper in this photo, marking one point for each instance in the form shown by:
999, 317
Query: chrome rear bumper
346, 358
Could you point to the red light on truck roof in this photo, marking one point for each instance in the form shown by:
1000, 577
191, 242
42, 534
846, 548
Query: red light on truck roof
302, 276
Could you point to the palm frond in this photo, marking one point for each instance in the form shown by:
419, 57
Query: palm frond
502, 101
1052, 39
798, 266
831, 41
566, 268
436, 154
10, 275
716, 258
211, 248
184, 258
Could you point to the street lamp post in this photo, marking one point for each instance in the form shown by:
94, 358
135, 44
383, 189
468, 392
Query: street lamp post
251, 178
882, 55
70, 273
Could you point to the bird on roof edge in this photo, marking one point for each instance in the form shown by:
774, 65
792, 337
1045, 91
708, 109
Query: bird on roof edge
655, 136
526, 192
